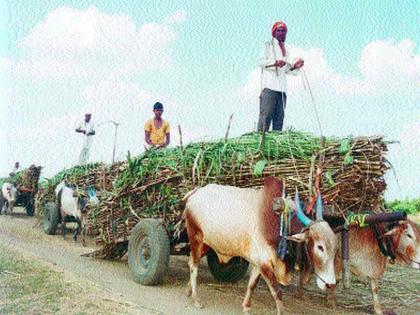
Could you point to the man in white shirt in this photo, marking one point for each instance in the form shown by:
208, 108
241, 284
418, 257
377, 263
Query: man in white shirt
275, 64
16, 168
88, 129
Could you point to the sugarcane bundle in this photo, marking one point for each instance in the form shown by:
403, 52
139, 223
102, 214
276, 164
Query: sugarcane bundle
81, 176
27, 178
153, 184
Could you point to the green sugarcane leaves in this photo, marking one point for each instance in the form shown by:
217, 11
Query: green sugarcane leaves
329, 178
345, 149
348, 159
344, 146
259, 168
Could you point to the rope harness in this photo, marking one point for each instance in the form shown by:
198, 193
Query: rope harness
386, 249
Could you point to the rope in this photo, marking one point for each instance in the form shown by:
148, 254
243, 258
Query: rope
305, 78
288, 138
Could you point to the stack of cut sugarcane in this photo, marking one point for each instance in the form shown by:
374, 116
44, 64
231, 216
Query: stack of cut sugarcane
153, 184
27, 178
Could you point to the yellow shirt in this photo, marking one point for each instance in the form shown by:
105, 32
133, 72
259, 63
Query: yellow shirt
157, 136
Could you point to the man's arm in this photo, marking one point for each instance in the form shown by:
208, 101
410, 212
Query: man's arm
296, 66
268, 60
168, 139
79, 129
147, 138
267, 57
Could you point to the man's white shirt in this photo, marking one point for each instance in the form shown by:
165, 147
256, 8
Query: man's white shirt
88, 127
275, 78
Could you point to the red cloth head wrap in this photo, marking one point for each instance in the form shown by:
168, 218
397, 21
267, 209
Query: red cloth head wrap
277, 25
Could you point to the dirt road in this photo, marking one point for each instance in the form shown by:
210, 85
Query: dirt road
20, 233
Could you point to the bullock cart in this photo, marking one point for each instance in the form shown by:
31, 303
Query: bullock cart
26, 183
140, 200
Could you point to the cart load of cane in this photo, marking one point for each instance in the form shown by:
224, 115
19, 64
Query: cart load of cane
349, 173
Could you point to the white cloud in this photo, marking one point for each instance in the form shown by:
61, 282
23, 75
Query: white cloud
91, 44
388, 60
410, 138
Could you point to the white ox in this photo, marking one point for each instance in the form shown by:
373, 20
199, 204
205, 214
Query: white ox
241, 222
70, 206
9, 193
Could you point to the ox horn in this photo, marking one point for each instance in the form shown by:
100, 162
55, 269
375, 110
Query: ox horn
299, 212
319, 207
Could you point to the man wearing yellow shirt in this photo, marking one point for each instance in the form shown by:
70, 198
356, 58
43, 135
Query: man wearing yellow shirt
156, 130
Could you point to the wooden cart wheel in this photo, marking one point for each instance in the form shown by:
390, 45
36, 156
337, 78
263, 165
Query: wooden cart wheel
30, 208
148, 252
51, 218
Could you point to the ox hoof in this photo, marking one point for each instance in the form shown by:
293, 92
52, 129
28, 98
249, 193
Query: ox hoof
389, 312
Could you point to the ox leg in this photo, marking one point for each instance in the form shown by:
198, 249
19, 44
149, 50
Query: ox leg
77, 230
374, 285
270, 278
63, 228
253, 281
83, 232
195, 236
192, 285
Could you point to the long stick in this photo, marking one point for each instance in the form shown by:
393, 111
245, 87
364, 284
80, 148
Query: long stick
180, 137
345, 254
115, 142
228, 128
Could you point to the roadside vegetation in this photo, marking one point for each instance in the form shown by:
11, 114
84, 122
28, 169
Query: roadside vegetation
410, 206
29, 286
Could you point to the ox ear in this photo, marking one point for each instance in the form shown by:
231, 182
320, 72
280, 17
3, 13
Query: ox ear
299, 238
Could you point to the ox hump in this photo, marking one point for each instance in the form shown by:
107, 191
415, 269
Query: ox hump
268, 220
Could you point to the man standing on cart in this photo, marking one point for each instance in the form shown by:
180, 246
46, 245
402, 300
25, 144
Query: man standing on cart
156, 130
87, 128
275, 64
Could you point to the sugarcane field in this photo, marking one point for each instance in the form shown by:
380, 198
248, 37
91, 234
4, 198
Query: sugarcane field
168, 158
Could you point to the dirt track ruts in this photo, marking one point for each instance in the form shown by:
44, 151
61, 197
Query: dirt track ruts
21, 233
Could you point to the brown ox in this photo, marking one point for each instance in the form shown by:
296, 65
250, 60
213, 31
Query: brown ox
241, 222
399, 241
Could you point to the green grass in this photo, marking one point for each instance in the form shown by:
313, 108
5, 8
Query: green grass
410, 206
32, 287
28, 289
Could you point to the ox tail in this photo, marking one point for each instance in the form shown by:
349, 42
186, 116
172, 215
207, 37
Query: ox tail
184, 202
189, 194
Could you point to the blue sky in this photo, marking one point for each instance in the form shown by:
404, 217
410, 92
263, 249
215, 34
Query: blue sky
116, 58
